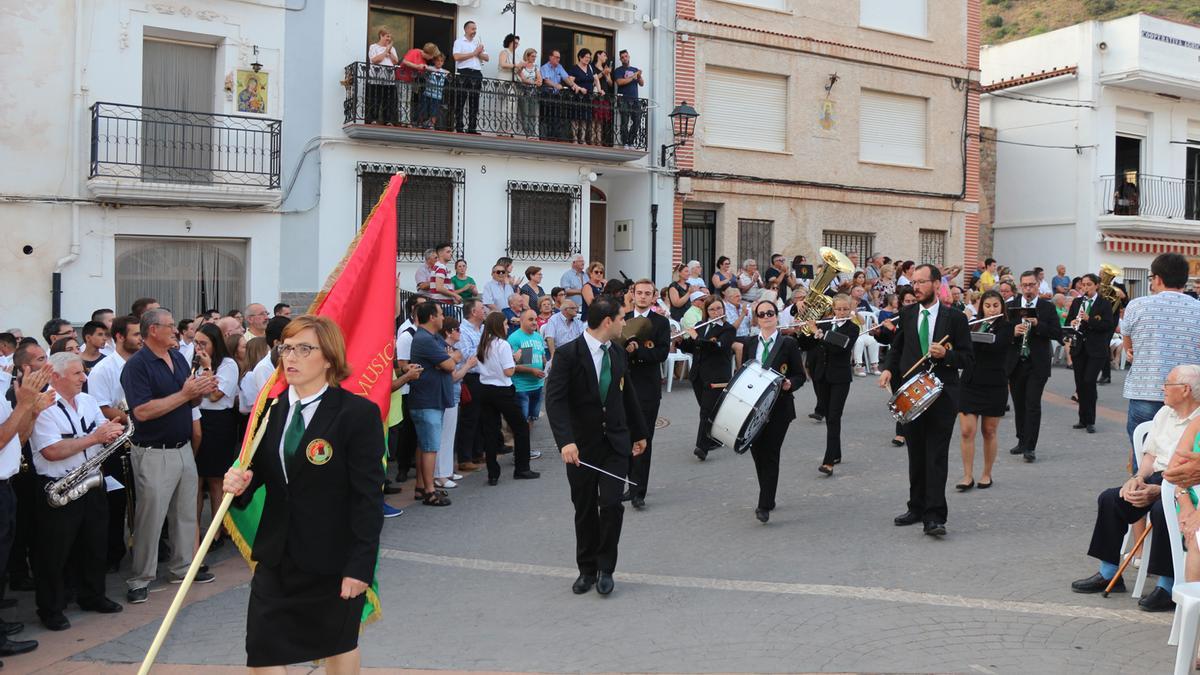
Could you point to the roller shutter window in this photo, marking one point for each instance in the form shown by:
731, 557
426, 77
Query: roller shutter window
744, 109
907, 17
892, 129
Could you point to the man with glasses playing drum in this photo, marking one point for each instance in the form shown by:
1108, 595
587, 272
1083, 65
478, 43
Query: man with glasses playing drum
929, 332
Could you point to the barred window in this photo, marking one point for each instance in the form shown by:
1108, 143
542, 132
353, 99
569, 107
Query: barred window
858, 244
429, 209
543, 220
933, 247
754, 241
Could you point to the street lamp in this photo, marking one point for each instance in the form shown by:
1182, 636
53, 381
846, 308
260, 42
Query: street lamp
682, 119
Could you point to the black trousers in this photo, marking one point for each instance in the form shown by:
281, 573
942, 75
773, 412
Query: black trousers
25, 489
552, 116
834, 396
639, 466
8, 525
598, 513
470, 81
468, 441
1087, 370
707, 398
630, 110
1113, 518
406, 440
72, 535
765, 452
117, 465
1026, 388
928, 441
381, 101
500, 402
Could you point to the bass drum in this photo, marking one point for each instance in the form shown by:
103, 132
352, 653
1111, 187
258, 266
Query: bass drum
745, 405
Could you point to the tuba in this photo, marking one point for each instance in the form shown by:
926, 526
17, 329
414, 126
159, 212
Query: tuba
817, 304
1106, 290
77, 483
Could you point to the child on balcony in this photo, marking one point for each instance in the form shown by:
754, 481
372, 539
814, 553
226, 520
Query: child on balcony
431, 96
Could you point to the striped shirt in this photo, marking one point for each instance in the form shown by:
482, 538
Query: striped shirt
1165, 331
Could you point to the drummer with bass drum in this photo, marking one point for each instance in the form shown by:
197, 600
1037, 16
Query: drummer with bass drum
711, 345
929, 333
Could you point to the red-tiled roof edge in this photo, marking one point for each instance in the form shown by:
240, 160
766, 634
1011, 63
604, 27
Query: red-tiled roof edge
1027, 79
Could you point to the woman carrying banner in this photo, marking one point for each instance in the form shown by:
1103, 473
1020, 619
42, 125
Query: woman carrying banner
318, 540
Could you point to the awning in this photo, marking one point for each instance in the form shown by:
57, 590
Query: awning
617, 10
1124, 243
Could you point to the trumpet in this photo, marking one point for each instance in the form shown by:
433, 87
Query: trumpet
87, 476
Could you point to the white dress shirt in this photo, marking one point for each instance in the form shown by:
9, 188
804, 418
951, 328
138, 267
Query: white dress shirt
10, 454
59, 422
227, 384
594, 346
499, 358
461, 46
104, 382
310, 408
261, 373
404, 338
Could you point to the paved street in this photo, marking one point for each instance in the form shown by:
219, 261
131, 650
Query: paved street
828, 585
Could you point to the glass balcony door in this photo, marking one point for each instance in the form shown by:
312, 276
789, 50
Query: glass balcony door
177, 95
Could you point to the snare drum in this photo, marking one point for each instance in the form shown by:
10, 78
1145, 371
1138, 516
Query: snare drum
745, 405
915, 397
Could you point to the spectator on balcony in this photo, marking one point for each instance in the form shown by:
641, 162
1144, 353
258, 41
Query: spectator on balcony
409, 76
1125, 198
584, 74
431, 95
531, 81
469, 57
463, 284
602, 114
628, 79
507, 87
553, 117
381, 85
532, 288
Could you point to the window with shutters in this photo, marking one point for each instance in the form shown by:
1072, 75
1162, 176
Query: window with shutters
907, 17
745, 110
429, 208
858, 244
754, 241
892, 128
543, 220
933, 247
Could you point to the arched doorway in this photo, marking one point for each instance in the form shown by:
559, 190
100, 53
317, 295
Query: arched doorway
598, 226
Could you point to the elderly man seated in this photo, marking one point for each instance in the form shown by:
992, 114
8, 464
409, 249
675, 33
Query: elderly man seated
1120, 507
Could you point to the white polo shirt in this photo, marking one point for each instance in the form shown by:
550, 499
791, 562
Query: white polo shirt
104, 382
59, 422
10, 454
404, 338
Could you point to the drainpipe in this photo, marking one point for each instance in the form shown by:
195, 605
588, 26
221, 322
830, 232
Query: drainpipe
653, 237
73, 158
650, 136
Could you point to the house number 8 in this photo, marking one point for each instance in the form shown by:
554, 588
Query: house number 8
483, 168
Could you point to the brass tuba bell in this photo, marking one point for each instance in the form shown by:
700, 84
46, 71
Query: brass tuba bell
816, 303
1106, 290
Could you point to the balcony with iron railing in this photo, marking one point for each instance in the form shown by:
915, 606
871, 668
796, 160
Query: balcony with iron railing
1151, 198
155, 155
492, 115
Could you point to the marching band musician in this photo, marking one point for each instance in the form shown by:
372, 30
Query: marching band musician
65, 436
1028, 364
832, 374
887, 331
645, 374
780, 353
711, 347
922, 325
984, 391
1092, 316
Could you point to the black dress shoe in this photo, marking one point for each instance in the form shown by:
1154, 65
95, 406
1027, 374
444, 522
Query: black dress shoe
583, 584
906, 518
391, 489
935, 529
1091, 428
493, 481
826, 469
604, 583
763, 515
626, 496
898, 442
526, 475
1078, 426
1096, 583
817, 417
22, 584
1030, 456
14, 647
13, 628
1016, 450
638, 502
1107, 380
963, 487
700, 454
1159, 600
55, 621
101, 606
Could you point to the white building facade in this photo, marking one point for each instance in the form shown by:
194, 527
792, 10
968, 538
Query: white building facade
1098, 146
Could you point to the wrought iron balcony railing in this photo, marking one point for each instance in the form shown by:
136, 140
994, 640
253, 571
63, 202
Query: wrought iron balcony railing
494, 107
1150, 196
178, 146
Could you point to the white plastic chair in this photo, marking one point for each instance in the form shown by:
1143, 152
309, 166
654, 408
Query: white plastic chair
674, 356
1140, 433
1186, 625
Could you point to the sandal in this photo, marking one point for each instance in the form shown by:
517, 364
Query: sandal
435, 499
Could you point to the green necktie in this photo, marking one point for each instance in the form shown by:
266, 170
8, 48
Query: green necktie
295, 430
923, 331
1087, 308
605, 373
766, 350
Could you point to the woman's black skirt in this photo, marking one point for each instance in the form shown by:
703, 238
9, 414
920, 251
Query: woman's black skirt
218, 442
983, 399
296, 617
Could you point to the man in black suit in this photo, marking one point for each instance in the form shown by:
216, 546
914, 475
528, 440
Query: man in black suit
595, 417
1027, 363
1092, 316
645, 374
921, 328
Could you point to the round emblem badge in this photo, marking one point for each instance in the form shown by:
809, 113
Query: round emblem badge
319, 452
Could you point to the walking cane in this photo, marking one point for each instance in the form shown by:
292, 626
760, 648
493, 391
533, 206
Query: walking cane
1121, 570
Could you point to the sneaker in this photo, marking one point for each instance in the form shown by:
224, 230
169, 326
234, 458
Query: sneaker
535, 454
456, 476
446, 483
390, 511
137, 596
202, 577
858, 371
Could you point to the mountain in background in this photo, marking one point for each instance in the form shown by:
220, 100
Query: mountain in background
1008, 20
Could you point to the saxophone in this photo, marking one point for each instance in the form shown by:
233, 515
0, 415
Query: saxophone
816, 303
77, 483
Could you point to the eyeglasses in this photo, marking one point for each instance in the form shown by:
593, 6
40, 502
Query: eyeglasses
302, 350
597, 271
765, 315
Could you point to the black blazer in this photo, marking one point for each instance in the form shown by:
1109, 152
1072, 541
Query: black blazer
1097, 331
906, 345
645, 365
577, 415
991, 360
1040, 349
785, 358
325, 517
831, 363
712, 353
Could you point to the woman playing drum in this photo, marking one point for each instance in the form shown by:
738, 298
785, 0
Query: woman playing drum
711, 348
